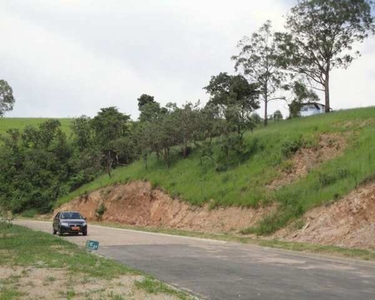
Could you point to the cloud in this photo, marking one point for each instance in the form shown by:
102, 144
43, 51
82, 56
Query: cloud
72, 57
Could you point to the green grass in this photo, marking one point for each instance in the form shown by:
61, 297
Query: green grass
21, 123
9, 294
22, 247
245, 183
153, 286
25, 247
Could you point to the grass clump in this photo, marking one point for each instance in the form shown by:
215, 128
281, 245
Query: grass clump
9, 294
153, 286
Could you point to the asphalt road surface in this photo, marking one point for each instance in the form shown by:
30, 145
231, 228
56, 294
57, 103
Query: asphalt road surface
225, 270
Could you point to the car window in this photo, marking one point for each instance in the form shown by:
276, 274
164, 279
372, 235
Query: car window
71, 215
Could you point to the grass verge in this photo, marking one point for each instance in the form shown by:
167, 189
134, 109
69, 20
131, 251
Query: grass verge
362, 254
65, 268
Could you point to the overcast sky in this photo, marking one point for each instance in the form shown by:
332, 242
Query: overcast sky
66, 58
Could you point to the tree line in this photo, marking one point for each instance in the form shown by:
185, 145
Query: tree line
41, 163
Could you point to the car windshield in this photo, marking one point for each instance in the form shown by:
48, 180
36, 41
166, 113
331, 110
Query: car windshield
71, 215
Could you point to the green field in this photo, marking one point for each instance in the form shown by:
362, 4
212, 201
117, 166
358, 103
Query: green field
21, 123
245, 183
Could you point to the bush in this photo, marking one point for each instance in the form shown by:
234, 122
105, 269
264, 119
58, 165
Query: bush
290, 147
99, 212
30, 213
6, 218
328, 179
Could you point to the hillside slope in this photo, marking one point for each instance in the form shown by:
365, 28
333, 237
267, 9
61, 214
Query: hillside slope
21, 123
294, 165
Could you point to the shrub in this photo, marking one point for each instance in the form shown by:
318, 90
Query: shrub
290, 147
328, 179
99, 212
30, 213
6, 218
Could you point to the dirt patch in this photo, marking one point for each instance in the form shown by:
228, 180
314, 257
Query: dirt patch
306, 159
349, 222
355, 124
138, 204
47, 283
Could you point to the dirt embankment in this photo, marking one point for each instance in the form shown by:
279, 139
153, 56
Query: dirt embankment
306, 159
349, 222
138, 204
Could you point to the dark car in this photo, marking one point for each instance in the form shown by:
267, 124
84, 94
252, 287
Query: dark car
69, 222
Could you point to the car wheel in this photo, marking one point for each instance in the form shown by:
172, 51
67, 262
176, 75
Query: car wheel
53, 231
60, 233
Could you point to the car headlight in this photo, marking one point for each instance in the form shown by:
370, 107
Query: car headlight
84, 224
64, 224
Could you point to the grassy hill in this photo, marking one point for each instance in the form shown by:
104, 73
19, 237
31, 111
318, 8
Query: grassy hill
21, 123
248, 182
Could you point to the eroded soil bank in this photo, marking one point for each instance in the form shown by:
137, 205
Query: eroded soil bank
138, 204
349, 222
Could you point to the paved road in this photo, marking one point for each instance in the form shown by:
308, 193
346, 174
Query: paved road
222, 270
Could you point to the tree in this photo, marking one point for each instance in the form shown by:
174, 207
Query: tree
258, 60
187, 121
145, 99
236, 98
301, 94
34, 167
109, 125
6, 98
277, 116
82, 132
149, 109
320, 37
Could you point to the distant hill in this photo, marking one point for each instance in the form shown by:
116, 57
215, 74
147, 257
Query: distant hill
20, 123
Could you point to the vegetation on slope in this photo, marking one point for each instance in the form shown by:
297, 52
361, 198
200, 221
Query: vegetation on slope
245, 183
21, 123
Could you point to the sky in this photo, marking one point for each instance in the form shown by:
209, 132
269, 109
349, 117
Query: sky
67, 58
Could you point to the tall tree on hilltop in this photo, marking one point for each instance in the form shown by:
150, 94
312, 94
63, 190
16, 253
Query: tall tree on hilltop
258, 60
236, 98
320, 37
109, 125
6, 98
149, 109
145, 99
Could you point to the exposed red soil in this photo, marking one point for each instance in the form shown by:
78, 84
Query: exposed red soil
138, 204
349, 222
329, 147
